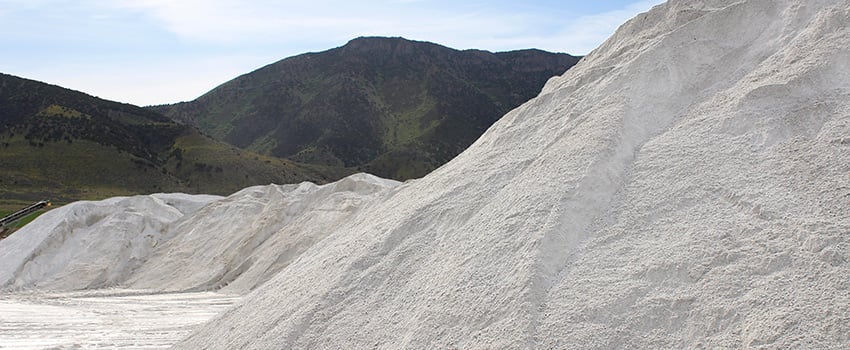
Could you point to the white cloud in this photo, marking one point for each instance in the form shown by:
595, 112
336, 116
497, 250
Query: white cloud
588, 32
229, 21
124, 56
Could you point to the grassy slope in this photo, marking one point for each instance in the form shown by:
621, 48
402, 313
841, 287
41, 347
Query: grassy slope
63, 145
83, 169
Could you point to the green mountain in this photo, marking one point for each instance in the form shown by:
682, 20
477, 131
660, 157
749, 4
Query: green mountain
389, 106
65, 145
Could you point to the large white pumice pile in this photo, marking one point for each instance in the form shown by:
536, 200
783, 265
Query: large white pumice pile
179, 242
88, 245
235, 244
685, 185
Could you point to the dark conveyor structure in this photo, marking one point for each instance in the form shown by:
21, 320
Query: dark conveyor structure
20, 214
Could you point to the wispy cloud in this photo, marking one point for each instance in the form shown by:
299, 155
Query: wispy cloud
588, 32
160, 51
228, 21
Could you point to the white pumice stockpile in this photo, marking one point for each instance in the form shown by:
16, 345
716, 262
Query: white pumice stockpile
179, 242
86, 245
235, 244
686, 185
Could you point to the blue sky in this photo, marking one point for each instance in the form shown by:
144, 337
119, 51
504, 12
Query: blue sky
163, 51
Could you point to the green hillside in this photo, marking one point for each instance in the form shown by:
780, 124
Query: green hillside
389, 106
64, 145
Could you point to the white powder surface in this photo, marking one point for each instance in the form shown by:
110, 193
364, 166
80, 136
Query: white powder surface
104, 319
686, 185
